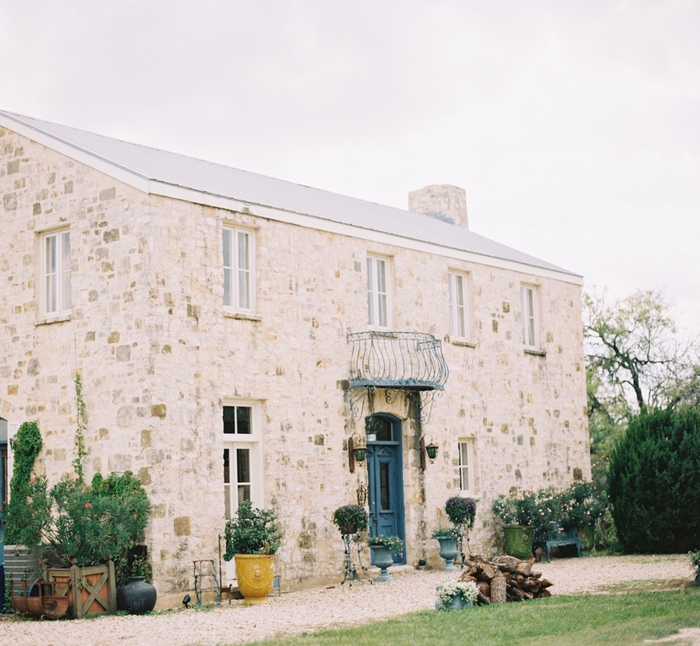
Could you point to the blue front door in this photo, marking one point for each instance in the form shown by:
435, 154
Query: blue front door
385, 476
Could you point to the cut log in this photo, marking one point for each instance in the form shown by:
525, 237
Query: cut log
529, 584
484, 588
544, 594
523, 568
498, 589
487, 573
506, 563
483, 601
544, 583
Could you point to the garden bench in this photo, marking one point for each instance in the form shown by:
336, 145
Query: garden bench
560, 539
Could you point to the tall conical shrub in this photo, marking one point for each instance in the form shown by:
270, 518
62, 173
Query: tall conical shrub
654, 483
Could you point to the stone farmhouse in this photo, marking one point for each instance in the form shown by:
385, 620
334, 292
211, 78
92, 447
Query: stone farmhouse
237, 336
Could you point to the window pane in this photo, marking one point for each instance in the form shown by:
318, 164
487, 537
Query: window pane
228, 295
65, 271
227, 472
50, 285
227, 247
243, 493
243, 466
380, 427
229, 419
244, 289
384, 490
464, 466
243, 420
370, 292
243, 254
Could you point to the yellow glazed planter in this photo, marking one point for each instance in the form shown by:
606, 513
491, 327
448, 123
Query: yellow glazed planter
255, 574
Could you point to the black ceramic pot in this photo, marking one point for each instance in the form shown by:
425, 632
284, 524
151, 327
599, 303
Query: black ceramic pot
137, 596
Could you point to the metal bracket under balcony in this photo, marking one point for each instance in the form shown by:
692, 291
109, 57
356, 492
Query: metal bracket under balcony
396, 361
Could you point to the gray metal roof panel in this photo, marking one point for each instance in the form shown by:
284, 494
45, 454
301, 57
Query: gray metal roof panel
217, 179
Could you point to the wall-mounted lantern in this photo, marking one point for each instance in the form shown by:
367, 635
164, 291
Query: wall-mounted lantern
357, 450
430, 450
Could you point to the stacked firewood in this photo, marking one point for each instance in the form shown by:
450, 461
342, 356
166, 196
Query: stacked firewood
505, 578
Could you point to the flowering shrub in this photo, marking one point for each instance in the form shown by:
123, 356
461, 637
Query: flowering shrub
96, 523
695, 562
394, 543
461, 511
582, 506
452, 588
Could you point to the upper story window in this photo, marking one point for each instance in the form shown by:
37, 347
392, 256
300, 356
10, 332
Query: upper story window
377, 292
528, 298
239, 269
459, 313
55, 262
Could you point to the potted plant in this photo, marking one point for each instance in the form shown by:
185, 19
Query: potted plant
253, 538
383, 548
461, 511
516, 514
448, 537
88, 538
455, 595
350, 519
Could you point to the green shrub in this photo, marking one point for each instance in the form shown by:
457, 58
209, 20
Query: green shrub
654, 483
26, 513
252, 531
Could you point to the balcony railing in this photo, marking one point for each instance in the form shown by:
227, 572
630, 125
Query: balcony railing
397, 360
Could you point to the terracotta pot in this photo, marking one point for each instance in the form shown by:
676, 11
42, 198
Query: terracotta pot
256, 575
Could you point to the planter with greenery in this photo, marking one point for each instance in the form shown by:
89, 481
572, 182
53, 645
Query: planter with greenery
382, 550
517, 515
448, 538
350, 519
253, 537
455, 595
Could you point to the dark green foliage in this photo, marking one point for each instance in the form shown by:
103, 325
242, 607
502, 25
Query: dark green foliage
654, 483
461, 511
252, 531
23, 520
349, 516
96, 523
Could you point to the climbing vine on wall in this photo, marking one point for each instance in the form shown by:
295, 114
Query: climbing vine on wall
81, 425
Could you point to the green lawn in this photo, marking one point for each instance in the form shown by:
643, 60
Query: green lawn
586, 620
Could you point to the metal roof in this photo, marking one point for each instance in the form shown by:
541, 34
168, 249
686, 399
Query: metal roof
210, 178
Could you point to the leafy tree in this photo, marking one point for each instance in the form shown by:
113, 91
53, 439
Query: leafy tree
634, 348
635, 360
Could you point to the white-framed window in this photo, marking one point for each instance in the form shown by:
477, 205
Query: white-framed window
55, 272
239, 270
465, 451
528, 300
458, 303
242, 455
378, 292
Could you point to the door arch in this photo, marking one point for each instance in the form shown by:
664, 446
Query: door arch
385, 478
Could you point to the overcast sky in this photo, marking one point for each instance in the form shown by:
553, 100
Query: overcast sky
574, 126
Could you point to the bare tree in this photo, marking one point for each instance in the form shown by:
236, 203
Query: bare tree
633, 347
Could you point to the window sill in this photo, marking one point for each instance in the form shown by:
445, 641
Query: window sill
469, 494
55, 318
242, 316
463, 342
536, 353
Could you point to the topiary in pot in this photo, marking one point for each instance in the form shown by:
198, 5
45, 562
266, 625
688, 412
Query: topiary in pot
461, 511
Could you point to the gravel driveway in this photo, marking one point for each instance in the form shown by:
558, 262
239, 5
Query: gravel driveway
318, 608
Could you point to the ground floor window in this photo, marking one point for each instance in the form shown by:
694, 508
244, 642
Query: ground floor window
242, 456
466, 465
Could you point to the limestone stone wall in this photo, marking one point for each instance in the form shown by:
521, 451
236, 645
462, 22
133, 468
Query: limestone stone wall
159, 358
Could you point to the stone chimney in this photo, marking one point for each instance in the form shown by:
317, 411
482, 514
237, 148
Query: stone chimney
441, 201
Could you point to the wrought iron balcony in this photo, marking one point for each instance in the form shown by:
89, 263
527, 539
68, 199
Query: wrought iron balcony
397, 360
